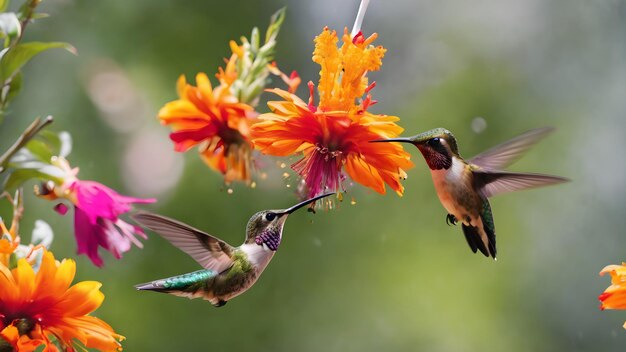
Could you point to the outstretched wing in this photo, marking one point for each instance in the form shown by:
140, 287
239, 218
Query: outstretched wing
210, 252
491, 183
508, 152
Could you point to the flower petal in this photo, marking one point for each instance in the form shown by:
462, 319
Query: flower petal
57, 310
88, 236
24, 276
82, 298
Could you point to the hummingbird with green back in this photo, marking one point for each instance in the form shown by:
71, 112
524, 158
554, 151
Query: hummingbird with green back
227, 271
464, 186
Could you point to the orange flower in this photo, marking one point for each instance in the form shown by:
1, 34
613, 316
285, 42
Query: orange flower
334, 136
214, 120
614, 297
218, 120
10, 337
36, 308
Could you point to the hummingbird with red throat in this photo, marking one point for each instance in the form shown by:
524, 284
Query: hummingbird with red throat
465, 186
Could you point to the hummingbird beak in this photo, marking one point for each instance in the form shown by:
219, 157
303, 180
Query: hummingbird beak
306, 202
401, 140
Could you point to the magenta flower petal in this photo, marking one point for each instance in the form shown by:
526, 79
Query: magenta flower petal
97, 211
321, 171
98, 200
129, 231
117, 243
97, 223
61, 208
88, 237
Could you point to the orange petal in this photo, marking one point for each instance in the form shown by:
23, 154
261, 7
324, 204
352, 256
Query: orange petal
82, 298
365, 174
64, 275
10, 334
182, 111
204, 85
181, 83
24, 278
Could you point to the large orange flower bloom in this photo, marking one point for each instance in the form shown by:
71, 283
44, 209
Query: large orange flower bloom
218, 120
215, 121
614, 297
334, 135
36, 308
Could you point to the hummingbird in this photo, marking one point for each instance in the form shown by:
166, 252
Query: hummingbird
464, 186
227, 271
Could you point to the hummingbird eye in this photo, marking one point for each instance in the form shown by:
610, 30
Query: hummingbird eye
433, 142
270, 216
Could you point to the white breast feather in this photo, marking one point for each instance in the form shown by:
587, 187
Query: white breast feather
259, 256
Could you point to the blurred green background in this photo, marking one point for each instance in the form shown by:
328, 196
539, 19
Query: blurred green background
385, 273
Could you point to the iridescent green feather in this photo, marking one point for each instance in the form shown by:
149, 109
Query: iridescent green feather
487, 217
189, 282
241, 265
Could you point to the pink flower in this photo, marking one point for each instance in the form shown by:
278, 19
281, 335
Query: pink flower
96, 214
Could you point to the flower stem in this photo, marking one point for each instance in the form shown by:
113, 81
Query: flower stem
359, 18
29, 133
27, 11
18, 208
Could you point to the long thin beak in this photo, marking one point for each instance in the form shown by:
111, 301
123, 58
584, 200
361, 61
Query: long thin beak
401, 140
306, 202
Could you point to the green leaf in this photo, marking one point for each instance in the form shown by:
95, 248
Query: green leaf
255, 39
19, 55
14, 88
10, 27
59, 144
275, 22
27, 9
32, 161
4, 4
19, 176
252, 91
52, 140
39, 16
28, 134
40, 149
12, 261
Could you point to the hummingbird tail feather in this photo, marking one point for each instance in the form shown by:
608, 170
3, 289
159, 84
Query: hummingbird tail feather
480, 239
150, 286
472, 235
488, 227
190, 285
471, 240
491, 236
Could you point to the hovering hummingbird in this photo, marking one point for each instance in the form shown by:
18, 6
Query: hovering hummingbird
464, 186
228, 271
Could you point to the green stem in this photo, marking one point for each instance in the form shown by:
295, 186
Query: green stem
27, 11
29, 133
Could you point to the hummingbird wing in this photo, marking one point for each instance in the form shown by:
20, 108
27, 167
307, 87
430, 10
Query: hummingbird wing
210, 252
508, 152
490, 183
